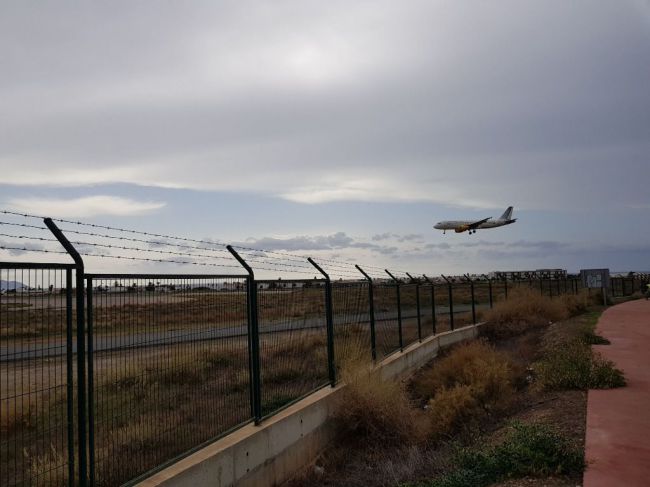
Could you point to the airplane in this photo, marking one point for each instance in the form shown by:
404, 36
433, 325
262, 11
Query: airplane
460, 226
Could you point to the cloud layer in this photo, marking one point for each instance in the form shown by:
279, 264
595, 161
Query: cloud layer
542, 104
84, 207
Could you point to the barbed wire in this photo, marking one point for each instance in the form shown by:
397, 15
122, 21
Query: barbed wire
329, 262
255, 262
26, 249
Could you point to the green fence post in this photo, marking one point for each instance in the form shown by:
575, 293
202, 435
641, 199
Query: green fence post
371, 305
399, 311
433, 301
253, 339
329, 318
417, 304
451, 301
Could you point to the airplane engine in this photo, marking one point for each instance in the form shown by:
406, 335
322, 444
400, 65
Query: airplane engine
462, 229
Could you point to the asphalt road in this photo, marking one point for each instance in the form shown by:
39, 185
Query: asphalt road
56, 347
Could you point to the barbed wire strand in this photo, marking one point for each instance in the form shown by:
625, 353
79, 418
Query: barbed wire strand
173, 237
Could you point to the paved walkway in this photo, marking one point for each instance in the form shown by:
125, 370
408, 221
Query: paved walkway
618, 420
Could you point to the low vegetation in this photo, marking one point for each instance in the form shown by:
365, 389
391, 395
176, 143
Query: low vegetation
154, 403
569, 362
473, 381
526, 309
452, 424
378, 411
529, 450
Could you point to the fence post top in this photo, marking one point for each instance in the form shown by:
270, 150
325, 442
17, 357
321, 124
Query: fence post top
413, 279
392, 276
364, 273
241, 260
318, 268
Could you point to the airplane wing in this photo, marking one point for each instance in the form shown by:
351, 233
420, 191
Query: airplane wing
475, 225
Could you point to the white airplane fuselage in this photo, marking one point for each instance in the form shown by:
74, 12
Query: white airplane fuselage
454, 224
460, 226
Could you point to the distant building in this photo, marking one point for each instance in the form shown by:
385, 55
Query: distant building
525, 275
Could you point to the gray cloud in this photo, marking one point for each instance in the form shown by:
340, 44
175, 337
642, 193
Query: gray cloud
548, 101
20, 248
303, 243
382, 236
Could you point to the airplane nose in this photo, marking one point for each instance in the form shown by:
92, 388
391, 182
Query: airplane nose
437, 226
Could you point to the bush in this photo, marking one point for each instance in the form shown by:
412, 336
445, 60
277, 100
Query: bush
377, 411
472, 380
452, 409
604, 374
575, 366
575, 304
489, 372
528, 450
525, 309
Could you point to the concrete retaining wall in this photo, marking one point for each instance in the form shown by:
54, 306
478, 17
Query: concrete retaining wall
274, 451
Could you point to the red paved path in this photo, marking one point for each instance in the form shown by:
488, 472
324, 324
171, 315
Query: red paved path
618, 420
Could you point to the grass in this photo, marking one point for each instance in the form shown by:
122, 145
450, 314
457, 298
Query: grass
49, 469
472, 381
576, 366
463, 397
153, 404
568, 361
17, 416
529, 450
377, 411
526, 309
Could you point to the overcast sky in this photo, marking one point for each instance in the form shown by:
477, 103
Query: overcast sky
342, 128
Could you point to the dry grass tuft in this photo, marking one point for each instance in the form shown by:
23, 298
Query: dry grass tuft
378, 411
473, 380
526, 309
16, 416
49, 469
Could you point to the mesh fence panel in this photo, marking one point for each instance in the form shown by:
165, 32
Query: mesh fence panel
409, 302
169, 369
462, 297
386, 326
426, 310
442, 308
293, 340
350, 305
481, 297
36, 377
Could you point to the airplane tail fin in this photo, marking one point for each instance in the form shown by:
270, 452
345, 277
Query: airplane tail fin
507, 215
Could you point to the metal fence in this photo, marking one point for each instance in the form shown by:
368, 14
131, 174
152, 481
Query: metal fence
167, 368
627, 285
106, 378
37, 380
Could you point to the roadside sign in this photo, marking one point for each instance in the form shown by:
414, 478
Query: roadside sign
595, 278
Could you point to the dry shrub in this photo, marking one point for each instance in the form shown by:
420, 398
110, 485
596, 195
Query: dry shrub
49, 469
474, 379
378, 412
576, 304
525, 309
476, 364
452, 408
188, 367
17, 415
574, 365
